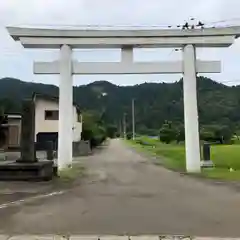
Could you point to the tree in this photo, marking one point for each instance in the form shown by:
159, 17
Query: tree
167, 133
111, 130
218, 104
143, 130
129, 135
207, 135
216, 133
93, 129
180, 133
223, 133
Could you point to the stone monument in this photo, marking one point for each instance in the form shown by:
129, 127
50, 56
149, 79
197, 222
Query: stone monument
27, 167
207, 162
81, 148
28, 153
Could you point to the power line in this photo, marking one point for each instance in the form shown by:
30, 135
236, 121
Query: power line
170, 25
225, 20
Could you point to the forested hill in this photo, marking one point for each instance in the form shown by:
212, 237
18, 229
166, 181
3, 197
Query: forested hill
155, 102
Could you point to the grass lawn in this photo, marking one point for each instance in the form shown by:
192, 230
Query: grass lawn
71, 174
225, 157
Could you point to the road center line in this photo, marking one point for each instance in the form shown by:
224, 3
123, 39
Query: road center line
30, 199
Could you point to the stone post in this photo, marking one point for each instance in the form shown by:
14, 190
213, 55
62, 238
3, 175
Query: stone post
50, 155
28, 153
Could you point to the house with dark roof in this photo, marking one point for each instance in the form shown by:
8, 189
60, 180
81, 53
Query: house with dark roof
46, 121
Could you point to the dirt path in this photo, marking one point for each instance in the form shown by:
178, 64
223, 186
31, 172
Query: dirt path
126, 194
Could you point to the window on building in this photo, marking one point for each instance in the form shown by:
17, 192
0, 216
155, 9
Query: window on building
51, 115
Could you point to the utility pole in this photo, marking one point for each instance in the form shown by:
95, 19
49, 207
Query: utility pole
124, 126
120, 128
133, 119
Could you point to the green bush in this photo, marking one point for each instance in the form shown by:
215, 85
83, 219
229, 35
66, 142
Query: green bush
93, 130
216, 133
180, 136
207, 135
111, 131
118, 135
129, 136
168, 133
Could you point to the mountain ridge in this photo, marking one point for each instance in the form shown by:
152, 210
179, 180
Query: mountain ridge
155, 102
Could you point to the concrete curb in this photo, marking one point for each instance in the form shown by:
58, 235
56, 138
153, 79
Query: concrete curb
107, 237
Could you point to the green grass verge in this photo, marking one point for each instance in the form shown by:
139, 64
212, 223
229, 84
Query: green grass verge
71, 174
225, 157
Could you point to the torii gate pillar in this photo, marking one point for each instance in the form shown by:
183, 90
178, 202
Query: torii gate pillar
65, 122
192, 145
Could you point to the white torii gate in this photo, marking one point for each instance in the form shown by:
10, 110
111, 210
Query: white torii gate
66, 40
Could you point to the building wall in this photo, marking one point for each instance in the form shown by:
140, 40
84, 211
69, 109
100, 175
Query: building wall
15, 121
77, 126
16, 138
42, 125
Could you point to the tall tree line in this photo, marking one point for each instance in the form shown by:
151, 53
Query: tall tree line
154, 102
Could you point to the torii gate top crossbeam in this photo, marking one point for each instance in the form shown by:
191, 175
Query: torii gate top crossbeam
16, 32
88, 38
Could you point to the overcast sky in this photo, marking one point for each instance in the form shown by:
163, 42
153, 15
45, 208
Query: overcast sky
17, 62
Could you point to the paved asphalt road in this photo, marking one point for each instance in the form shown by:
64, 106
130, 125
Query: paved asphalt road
125, 194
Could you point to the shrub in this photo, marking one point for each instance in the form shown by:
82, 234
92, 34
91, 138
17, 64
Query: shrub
93, 130
216, 133
180, 134
111, 131
118, 135
129, 135
167, 133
